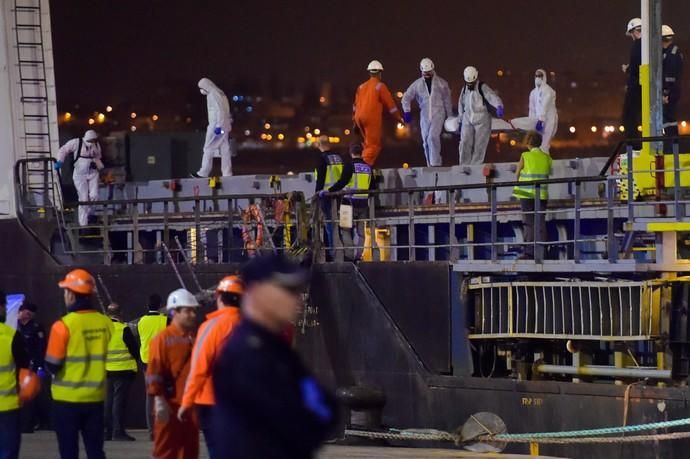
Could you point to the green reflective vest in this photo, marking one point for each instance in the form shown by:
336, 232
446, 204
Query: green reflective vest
334, 169
360, 180
119, 358
9, 398
149, 327
536, 166
82, 376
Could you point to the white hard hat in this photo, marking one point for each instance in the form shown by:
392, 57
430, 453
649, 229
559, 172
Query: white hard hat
666, 31
181, 298
470, 74
90, 135
375, 66
452, 124
426, 65
634, 23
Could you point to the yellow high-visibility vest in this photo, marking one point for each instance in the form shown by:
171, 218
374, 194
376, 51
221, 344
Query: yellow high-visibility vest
536, 166
334, 170
9, 398
360, 180
82, 377
149, 327
119, 358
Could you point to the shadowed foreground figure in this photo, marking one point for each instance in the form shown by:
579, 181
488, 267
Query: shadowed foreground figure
268, 405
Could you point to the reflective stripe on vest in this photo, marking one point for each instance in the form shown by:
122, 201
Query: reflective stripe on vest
119, 358
334, 169
536, 166
360, 180
149, 327
9, 400
82, 378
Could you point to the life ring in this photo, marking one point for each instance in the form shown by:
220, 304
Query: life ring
252, 245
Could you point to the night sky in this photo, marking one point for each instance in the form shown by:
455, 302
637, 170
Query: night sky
125, 48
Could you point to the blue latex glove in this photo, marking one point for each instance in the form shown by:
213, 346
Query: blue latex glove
499, 111
42, 373
322, 193
540, 126
407, 117
58, 165
217, 131
314, 400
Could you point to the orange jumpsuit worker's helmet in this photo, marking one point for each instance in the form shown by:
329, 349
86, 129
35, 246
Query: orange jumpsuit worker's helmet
231, 284
79, 281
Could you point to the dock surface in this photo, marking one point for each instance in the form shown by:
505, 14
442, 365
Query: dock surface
43, 445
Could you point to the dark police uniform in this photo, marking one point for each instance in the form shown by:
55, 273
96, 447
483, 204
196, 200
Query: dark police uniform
632, 106
268, 406
673, 72
37, 411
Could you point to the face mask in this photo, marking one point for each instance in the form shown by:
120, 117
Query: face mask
204, 92
538, 81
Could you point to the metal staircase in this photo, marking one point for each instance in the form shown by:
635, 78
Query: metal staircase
37, 118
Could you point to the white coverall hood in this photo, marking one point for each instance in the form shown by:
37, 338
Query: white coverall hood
543, 81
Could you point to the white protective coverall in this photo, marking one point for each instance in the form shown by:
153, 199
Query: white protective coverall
219, 116
87, 163
434, 108
542, 106
475, 131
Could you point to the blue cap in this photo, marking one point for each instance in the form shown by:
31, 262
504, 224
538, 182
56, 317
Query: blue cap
276, 269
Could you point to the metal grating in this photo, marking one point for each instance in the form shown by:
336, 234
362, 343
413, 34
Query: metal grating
613, 311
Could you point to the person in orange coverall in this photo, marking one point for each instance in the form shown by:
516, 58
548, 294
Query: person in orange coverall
371, 98
169, 361
210, 339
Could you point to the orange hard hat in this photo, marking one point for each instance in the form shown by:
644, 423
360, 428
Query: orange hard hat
29, 385
231, 284
79, 281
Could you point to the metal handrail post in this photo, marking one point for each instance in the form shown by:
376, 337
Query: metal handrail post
576, 229
337, 243
676, 182
375, 252
452, 238
410, 229
611, 235
494, 222
197, 227
537, 233
631, 184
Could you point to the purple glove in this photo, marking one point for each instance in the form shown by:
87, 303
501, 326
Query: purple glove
217, 131
540, 126
499, 111
407, 117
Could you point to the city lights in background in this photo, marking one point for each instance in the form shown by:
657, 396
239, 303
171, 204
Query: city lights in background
133, 115
572, 129
108, 109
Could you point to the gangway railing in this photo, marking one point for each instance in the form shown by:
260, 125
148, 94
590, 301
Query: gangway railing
594, 224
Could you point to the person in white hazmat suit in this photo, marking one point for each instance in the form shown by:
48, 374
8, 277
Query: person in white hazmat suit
432, 94
219, 127
86, 157
542, 107
475, 106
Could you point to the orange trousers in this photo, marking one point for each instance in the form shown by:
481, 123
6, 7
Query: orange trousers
370, 129
175, 439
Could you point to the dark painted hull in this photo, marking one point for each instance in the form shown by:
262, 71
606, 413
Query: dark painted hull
393, 326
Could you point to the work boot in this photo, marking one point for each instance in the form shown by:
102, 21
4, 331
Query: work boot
123, 436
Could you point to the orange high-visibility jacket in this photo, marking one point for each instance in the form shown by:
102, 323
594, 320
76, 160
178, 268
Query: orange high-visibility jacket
209, 341
169, 361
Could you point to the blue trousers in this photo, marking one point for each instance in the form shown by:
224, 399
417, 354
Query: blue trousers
10, 434
206, 421
69, 419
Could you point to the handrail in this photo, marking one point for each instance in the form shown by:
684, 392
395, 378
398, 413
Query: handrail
616, 151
